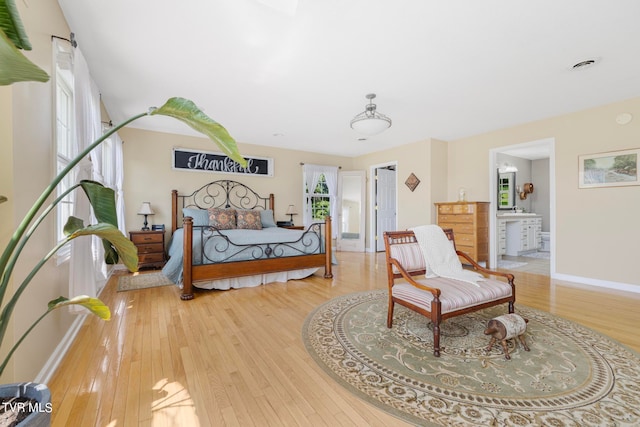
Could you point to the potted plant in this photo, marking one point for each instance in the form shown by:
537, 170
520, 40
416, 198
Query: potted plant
15, 67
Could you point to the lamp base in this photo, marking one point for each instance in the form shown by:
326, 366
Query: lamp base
145, 226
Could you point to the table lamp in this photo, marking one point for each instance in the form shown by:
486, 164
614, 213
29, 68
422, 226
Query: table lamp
145, 210
291, 211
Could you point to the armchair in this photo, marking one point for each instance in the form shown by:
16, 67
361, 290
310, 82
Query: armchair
438, 298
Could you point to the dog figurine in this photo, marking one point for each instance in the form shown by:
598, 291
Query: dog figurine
505, 327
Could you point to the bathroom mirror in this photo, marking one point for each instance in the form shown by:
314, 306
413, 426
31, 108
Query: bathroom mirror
506, 190
351, 193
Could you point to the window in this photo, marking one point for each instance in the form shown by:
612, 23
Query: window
320, 189
65, 142
319, 201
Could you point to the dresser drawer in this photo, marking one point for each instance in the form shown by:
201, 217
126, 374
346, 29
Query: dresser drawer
460, 228
144, 248
468, 218
138, 238
469, 250
464, 239
146, 258
456, 209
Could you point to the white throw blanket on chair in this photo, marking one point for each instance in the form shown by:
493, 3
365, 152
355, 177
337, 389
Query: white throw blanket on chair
440, 257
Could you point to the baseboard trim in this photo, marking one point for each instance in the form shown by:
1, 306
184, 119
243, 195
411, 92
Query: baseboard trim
47, 371
627, 287
49, 368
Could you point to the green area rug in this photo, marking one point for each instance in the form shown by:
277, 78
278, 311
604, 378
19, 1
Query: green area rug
142, 281
573, 376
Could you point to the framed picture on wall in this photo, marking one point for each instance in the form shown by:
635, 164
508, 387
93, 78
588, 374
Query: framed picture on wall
610, 169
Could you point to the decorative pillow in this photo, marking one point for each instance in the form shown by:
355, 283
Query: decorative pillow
200, 216
222, 219
248, 219
266, 217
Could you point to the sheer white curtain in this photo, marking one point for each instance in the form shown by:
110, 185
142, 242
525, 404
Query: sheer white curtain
84, 277
119, 180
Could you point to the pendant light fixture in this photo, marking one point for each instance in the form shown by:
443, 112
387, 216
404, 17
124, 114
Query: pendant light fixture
370, 122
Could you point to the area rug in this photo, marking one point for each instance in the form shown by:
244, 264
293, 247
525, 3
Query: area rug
572, 376
510, 264
142, 281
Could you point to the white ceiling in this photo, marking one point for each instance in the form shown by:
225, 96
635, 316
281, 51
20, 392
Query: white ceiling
292, 74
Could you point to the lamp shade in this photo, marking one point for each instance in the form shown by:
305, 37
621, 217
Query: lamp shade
291, 210
145, 209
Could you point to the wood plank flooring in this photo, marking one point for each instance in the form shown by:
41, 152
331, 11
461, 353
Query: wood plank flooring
236, 358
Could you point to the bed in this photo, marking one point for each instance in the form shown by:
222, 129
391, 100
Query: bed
216, 242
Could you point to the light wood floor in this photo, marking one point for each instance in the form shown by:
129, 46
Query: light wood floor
236, 357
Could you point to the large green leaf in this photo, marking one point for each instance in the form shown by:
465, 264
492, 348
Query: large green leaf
94, 305
11, 24
125, 248
103, 201
187, 112
15, 67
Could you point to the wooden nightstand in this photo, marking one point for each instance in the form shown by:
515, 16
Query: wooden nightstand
294, 227
150, 246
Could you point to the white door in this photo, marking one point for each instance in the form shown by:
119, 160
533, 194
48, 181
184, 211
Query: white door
385, 204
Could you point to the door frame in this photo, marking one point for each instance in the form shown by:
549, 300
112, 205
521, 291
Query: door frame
360, 245
548, 143
371, 240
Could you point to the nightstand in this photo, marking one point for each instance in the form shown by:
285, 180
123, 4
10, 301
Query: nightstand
150, 246
294, 227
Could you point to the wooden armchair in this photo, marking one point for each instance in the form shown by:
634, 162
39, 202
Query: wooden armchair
438, 298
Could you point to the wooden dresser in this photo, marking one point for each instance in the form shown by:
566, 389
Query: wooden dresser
470, 224
150, 246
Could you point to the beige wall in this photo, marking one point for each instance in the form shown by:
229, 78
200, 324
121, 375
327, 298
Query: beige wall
149, 175
7, 220
596, 229
31, 172
414, 208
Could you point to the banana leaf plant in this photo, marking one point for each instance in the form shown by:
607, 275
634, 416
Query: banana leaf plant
15, 67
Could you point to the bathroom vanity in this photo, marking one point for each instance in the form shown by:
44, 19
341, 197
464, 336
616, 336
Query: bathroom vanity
519, 233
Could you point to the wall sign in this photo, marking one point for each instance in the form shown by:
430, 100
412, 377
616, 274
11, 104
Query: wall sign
205, 161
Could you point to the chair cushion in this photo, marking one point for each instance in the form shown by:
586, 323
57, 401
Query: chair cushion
409, 255
455, 295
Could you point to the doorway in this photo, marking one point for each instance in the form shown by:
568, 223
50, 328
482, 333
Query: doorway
351, 211
526, 152
384, 207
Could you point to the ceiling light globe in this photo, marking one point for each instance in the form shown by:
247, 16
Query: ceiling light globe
370, 125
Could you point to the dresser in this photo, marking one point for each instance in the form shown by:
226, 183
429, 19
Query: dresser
150, 246
470, 224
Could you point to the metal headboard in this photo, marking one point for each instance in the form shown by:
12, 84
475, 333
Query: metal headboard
218, 194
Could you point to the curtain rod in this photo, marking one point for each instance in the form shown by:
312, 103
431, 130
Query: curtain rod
302, 164
71, 39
